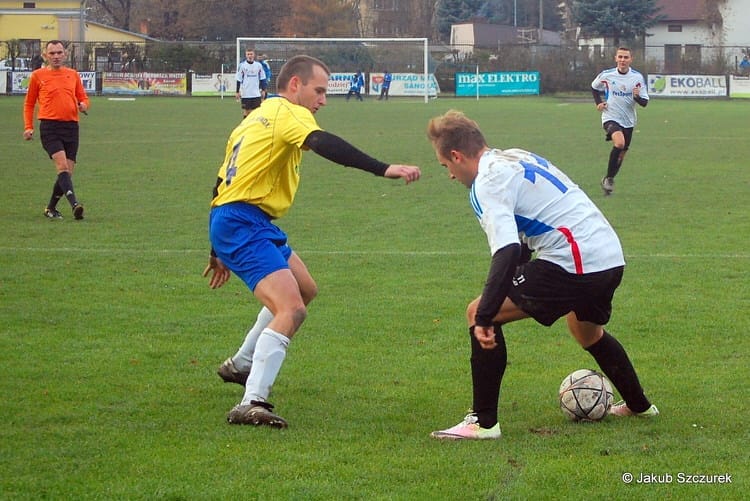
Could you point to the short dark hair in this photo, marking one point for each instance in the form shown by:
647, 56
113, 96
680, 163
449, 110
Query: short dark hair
55, 42
301, 66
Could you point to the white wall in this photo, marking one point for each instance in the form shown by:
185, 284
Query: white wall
462, 38
725, 43
736, 14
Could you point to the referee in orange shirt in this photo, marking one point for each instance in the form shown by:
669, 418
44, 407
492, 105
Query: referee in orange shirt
60, 93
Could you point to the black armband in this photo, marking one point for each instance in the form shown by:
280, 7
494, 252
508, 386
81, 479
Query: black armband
640, 100
335, 149
597, 96
498, 282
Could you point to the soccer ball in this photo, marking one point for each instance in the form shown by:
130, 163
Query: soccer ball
585, 395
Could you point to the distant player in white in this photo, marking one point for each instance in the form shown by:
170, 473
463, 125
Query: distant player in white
616, 91
525, 204
251, 83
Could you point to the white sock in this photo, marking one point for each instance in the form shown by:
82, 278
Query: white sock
243, 359
270, 352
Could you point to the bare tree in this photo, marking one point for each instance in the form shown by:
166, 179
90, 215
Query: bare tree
113, 12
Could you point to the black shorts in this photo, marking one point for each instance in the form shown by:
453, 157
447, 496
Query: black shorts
611, 127
59, 136
546, 292
250, 103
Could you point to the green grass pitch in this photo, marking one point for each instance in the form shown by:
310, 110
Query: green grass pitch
110, 338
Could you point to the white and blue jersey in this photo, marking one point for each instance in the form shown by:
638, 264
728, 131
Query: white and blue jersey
267, 71
249, 76
357, 82
519, 196
618, 94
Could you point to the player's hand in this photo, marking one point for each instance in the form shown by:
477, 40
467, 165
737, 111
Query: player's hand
601, 106
220, 274
485, 336
83, 108
408, 173
637, 90
28, 134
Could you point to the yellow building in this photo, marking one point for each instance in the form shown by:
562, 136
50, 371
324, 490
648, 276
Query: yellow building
24, 26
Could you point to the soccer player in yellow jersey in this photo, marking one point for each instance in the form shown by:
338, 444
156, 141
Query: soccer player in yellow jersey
256, 184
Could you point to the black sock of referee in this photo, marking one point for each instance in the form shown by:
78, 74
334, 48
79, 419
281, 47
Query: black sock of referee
614, 362
487, 369
615, 161
66, 185
57, 194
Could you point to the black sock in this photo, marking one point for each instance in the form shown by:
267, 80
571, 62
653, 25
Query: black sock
613, 167
66, 185
487, 369
57, 194
614, 362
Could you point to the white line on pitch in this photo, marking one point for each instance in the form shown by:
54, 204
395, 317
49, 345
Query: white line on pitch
303, 252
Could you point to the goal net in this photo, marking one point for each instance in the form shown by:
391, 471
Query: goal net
407, 59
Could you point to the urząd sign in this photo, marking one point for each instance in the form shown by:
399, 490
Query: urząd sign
502, 83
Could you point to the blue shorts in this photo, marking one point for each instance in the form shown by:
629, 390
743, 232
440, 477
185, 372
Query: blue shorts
247, 242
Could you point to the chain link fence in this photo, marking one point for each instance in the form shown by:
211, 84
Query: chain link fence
562, 69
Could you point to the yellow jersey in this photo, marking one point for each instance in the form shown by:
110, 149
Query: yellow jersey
261, 166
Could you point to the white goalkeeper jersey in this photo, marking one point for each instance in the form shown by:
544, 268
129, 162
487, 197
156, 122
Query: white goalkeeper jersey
618, 94
519, 196
249, 76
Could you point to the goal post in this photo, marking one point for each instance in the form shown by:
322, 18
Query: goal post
407, 59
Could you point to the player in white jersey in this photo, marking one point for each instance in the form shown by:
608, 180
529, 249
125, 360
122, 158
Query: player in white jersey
616, 91
525, 204
251, 83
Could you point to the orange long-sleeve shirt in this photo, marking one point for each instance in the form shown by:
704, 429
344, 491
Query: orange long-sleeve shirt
58, 91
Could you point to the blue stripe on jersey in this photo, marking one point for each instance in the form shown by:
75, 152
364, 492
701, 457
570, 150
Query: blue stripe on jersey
531, 170
531, 227
474, 201
540, 160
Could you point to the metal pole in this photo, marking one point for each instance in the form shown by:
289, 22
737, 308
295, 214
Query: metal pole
541, 20
426, 55
81, 34
476, 76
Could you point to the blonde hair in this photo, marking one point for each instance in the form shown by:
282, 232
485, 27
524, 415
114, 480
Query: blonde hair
455, 131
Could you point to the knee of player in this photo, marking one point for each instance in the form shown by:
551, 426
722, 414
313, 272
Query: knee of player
299, 314
310, 293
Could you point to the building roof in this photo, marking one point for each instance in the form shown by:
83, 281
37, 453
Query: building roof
682, 10
492, 35
119, 30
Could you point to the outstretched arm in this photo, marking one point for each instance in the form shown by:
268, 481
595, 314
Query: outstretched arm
335, 149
